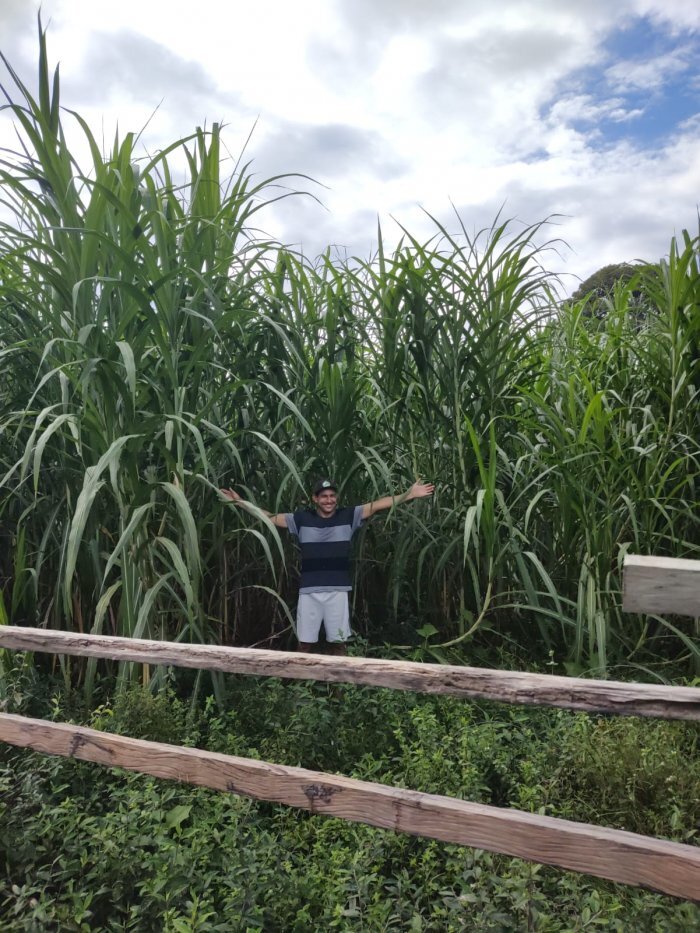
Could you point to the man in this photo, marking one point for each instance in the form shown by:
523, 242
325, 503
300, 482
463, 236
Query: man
324, 536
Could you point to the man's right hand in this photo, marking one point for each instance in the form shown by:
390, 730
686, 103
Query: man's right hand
278, 520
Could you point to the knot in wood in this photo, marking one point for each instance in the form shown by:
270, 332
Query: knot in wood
323, 792
76, 744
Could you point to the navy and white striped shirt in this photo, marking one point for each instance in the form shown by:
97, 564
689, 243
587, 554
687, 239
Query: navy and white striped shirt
325, 547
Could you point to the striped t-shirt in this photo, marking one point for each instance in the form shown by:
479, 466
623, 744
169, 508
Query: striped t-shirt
325, 547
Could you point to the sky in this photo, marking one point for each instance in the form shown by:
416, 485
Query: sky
587, 113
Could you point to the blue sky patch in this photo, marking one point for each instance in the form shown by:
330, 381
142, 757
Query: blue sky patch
647, 84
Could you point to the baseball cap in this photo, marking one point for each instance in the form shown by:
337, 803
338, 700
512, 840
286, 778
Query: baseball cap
322, 484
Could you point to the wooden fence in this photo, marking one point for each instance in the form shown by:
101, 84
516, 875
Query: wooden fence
661, 584
669, 867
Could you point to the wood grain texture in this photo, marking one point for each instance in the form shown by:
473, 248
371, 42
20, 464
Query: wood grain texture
669, 867
477, 683
661, 584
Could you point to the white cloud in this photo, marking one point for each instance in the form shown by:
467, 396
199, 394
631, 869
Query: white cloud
401, 105
584, 108
328, 150
678, 15
648, 74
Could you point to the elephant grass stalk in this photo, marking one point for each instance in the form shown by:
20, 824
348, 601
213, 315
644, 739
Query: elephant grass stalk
154, 348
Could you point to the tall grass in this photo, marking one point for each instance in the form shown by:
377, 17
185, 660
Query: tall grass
153, 348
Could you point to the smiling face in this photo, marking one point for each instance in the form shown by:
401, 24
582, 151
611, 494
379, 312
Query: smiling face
326, 503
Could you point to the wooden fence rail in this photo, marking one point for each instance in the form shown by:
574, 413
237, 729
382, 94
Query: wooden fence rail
573, 693
669, 867
672, 868
661, 584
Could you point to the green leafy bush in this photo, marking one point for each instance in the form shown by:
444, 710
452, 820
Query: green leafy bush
84, 848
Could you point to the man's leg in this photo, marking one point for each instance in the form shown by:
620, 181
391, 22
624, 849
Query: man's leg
309, 618
336, 619
337, 648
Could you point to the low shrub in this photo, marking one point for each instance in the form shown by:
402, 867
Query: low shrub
84, 848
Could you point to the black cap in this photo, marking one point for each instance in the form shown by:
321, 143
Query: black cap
322, 484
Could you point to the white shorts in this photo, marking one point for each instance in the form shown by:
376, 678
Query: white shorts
331, 608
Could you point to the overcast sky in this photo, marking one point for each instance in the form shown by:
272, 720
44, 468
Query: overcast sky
588, 110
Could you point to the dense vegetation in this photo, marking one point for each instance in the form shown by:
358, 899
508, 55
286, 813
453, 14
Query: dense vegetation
154, 347
91, 849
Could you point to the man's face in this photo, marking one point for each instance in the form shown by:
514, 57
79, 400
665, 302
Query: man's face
326, 502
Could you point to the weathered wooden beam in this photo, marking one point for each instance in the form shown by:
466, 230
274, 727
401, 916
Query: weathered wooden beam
665, 866
474, 682
661, 584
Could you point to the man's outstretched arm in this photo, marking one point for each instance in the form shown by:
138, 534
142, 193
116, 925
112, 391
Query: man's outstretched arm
417, 491
279, 520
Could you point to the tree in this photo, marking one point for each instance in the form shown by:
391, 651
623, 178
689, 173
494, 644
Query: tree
611, 284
